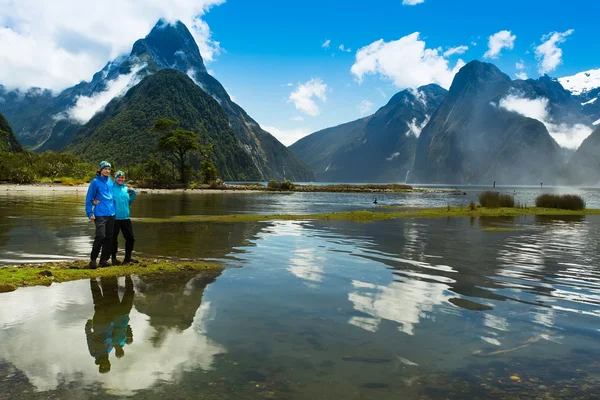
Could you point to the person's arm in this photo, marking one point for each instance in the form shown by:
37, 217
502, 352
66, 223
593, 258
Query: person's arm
89, 199
131, 195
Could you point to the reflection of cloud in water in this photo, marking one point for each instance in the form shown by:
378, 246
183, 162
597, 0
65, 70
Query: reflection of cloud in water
307, 265
78, 246
42, 334
404, 302
495, 322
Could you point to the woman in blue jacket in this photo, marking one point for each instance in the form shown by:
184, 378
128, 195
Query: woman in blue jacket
100, 195
123, 197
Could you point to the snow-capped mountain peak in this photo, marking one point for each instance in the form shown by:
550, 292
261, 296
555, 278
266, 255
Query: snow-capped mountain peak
582, 82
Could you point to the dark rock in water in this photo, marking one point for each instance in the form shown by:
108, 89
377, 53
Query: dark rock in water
469, 305
255, 376
374, 385
369, 360
6, 287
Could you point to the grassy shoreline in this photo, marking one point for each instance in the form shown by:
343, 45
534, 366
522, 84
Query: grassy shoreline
70, 185
44, 274
384, 214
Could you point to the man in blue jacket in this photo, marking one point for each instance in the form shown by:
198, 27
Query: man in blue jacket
103, 214
123, 197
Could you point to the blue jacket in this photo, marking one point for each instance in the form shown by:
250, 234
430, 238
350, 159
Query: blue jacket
122, 200
101, 189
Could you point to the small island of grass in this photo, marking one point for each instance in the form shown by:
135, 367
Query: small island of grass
12, 277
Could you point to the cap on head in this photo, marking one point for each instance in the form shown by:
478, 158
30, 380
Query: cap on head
119, 173
104, 164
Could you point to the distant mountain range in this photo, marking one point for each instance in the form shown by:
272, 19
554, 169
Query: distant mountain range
486, 128
378, 148
45, 122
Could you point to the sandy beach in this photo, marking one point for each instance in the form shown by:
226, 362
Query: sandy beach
82, 189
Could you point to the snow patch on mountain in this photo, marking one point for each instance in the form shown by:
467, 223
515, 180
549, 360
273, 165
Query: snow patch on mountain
581, 82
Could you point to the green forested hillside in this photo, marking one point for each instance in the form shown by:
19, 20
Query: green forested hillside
8, 141
122, 131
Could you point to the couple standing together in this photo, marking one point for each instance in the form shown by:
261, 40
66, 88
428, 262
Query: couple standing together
107, 204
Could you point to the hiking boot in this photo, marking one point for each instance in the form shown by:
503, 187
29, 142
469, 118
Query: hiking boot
130, 261
92, 265
115, 261
104, 264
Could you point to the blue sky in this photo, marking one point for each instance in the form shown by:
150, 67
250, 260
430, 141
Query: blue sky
269, 44
268, 50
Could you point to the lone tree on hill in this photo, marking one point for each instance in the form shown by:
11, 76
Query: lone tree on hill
179, 143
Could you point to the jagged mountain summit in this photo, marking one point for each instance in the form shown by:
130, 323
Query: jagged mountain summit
474, 139
123, 130
377, 148
46, 122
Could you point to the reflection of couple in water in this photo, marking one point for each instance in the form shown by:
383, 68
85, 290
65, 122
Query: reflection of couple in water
109, 327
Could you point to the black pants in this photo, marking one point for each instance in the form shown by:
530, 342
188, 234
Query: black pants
125, 226
103, 240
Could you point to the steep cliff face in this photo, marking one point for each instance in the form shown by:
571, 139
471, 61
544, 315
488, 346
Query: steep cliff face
378, 148
470, 139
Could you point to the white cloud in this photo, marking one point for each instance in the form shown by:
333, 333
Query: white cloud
365, 107
406, 61
42, 46
498, 41
287, 136
568, 136
412, 2
521, 74
456, 50
548, 53
298, 118
415, 128
326, 44
342, 48
63, 311
302, 97
85, 107
474, 43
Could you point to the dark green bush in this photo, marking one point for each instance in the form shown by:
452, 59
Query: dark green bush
564, 201
285, 185
496, 200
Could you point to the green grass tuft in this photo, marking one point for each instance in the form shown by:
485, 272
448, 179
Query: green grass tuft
496, 200
565, 201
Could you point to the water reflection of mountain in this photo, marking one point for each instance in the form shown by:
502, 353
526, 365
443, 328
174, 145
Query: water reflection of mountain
547, 262
45, 327
50, 227
171, 303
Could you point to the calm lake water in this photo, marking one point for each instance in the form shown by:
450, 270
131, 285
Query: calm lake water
410, 308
